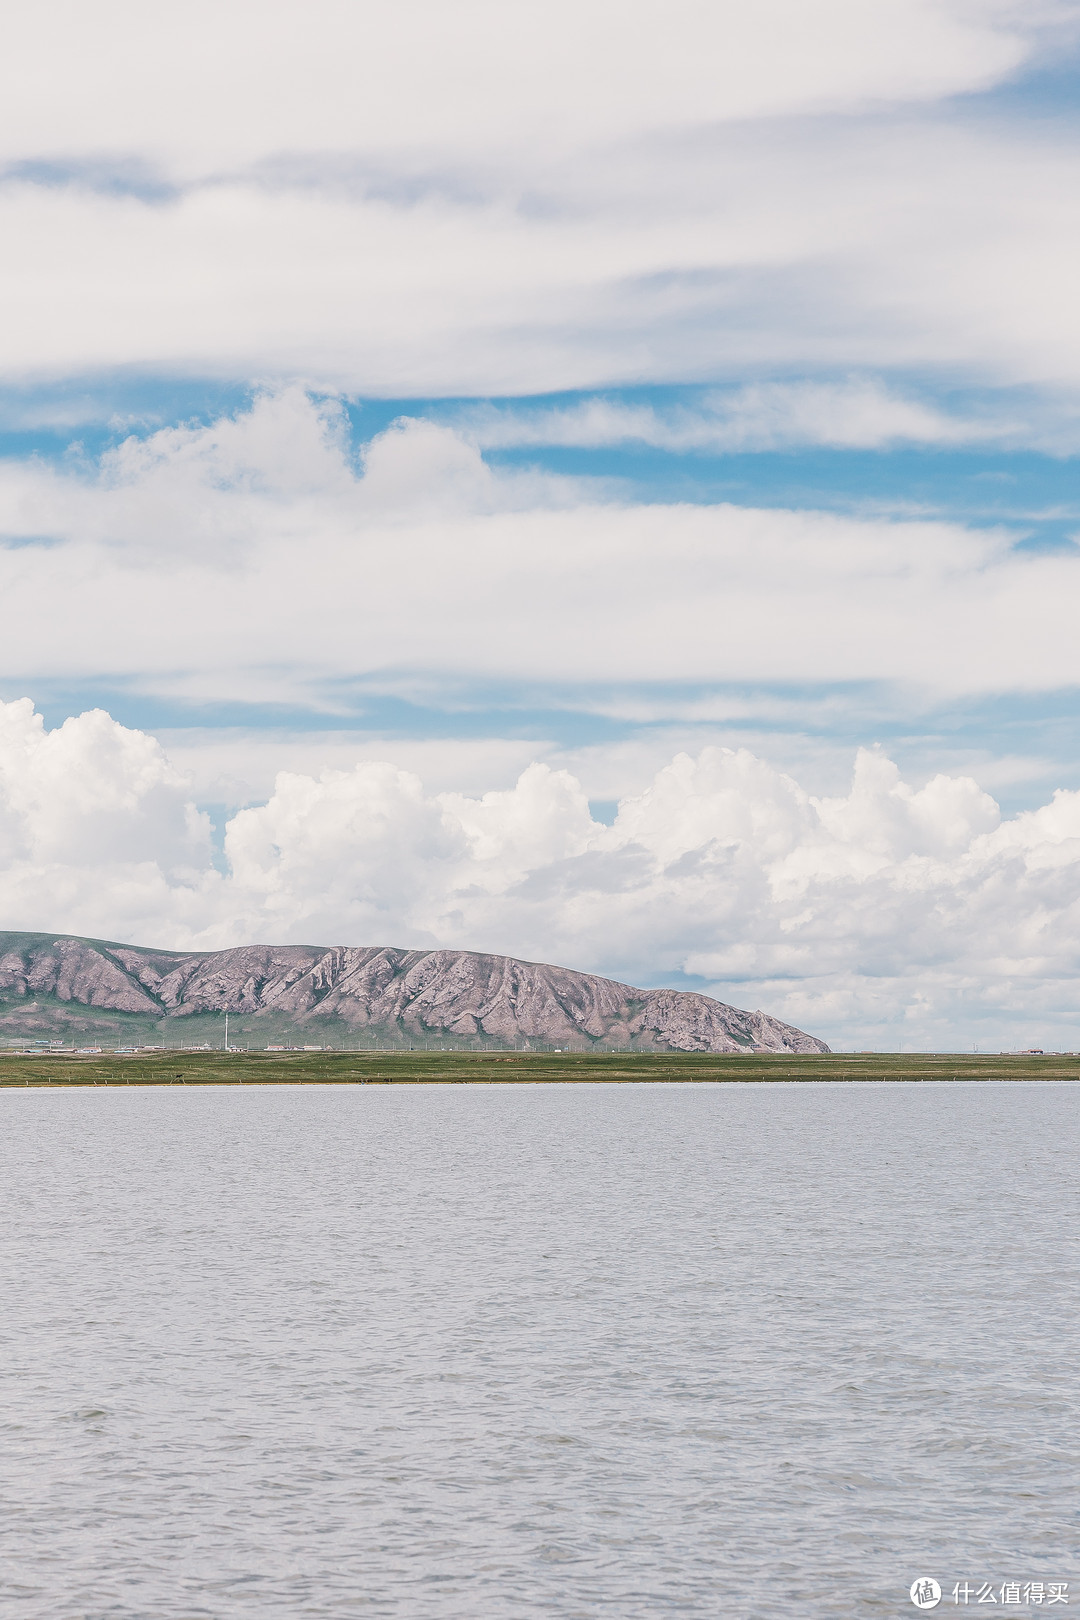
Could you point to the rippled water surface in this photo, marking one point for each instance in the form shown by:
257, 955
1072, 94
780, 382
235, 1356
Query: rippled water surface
569, 1351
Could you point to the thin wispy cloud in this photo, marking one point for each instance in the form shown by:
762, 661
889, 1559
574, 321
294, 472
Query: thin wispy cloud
858, 413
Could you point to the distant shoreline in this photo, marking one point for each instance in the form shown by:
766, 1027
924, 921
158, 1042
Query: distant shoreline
78, 1071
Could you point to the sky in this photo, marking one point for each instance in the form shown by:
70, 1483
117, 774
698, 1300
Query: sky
592, 482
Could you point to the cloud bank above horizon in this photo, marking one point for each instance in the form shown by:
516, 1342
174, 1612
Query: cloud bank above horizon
886, 913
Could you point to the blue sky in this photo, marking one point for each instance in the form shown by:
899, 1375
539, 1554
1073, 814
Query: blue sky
553, 395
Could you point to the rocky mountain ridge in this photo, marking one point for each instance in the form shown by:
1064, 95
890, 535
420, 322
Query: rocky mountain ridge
58, 982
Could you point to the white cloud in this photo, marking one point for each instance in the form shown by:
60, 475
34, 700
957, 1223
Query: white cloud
237, 765
91, 810
91, 791
860, 413
252, 559
414, 198
921, 913
226, 84
234, 767
792, 249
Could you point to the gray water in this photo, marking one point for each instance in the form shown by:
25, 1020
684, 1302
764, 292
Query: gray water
567, 1351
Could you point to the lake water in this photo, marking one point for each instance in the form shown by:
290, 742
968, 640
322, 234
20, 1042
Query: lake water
557, 1351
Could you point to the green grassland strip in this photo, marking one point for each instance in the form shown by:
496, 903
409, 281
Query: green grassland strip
458, 1068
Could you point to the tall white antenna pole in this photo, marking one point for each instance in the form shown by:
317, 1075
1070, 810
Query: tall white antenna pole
226, 1032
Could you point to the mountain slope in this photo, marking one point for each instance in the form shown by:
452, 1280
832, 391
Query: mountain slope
57, 984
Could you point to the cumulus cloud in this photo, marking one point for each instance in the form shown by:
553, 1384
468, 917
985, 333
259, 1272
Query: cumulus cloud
888, 910
90, 810
278, 470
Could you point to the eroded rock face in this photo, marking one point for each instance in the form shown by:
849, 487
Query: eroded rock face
71, 970
442, 993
